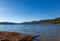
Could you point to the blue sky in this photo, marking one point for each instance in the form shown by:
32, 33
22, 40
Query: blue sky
28, 10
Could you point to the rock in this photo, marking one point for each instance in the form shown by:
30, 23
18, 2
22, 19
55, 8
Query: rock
14, 36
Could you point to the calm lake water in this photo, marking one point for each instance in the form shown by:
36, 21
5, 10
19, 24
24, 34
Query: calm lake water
34, 29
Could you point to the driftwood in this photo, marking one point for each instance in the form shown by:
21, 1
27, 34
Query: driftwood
29, 38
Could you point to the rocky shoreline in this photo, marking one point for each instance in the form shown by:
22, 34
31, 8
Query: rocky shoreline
15, 36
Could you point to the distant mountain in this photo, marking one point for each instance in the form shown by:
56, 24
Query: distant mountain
48, 21
8, 23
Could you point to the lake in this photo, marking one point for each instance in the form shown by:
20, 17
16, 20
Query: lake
50, 30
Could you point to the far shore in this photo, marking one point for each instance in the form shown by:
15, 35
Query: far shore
46, 21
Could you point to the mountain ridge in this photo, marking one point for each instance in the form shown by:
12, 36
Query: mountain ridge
47, 21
